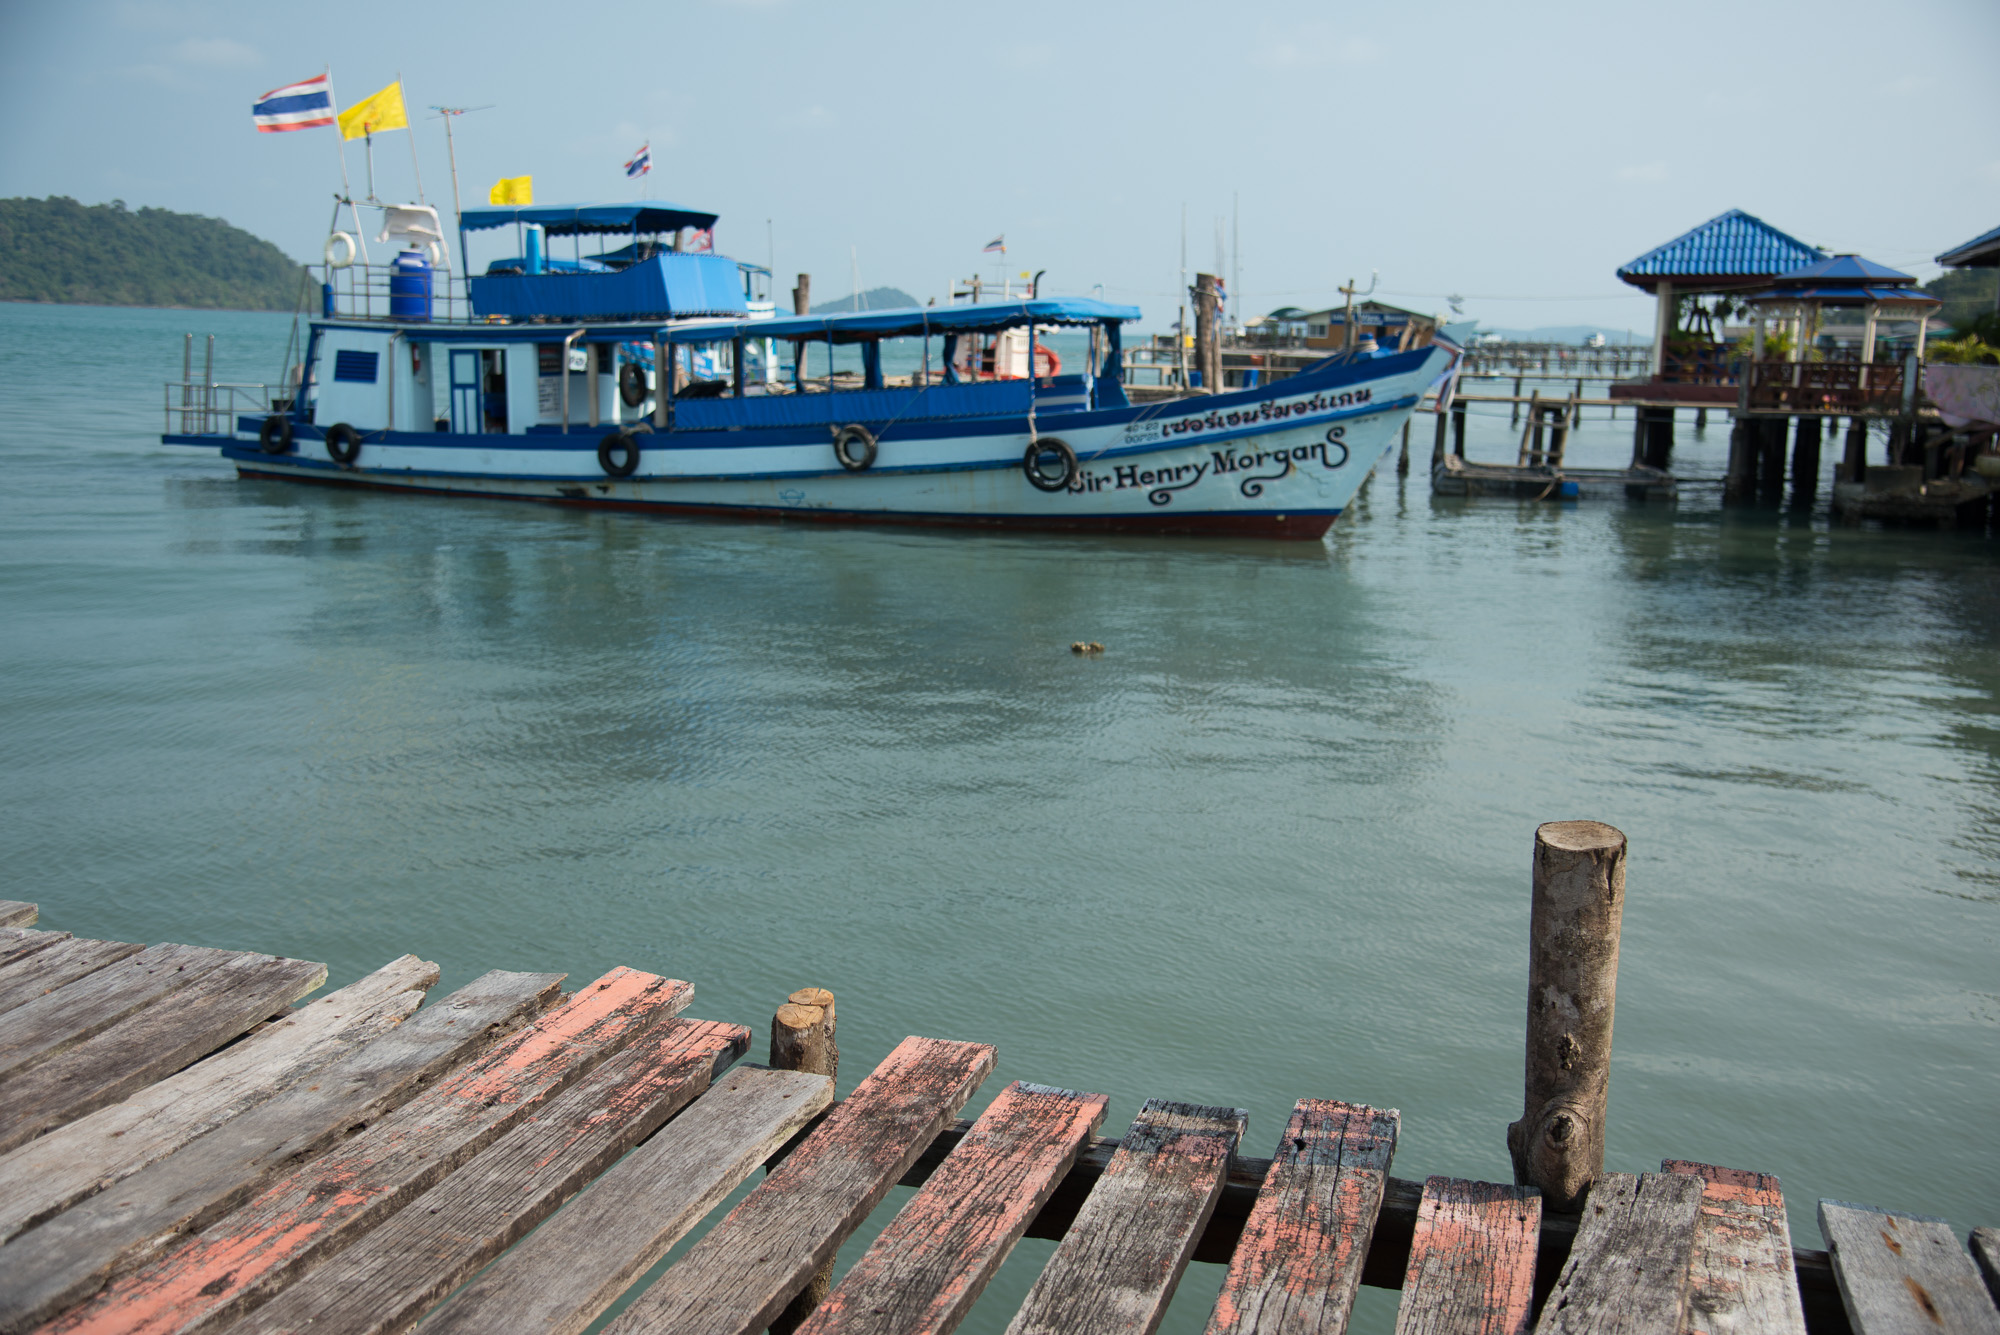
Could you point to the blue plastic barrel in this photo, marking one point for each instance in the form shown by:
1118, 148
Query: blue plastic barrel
410, 286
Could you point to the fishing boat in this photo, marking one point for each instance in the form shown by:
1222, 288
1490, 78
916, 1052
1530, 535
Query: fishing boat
649, 378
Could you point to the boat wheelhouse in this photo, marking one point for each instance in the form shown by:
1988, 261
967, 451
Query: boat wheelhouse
647, 377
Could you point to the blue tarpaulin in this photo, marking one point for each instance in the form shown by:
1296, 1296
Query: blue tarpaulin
914, 320
568, 219
659, 288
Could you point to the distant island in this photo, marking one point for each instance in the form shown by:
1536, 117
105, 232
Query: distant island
58, 250
874, 299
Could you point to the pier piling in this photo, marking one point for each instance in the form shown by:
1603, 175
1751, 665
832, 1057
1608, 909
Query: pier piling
1403, 458
1578, 904
1771, 458
1805, 461
802, 1039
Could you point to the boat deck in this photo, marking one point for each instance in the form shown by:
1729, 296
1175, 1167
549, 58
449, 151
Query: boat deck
187, 1150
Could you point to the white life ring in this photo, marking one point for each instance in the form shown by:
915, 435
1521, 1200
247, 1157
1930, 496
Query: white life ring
347, 247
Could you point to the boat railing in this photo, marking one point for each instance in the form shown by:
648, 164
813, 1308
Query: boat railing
363, 292
207, 408
1152, 364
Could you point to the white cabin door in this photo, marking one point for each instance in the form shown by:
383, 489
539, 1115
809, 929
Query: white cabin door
466, 415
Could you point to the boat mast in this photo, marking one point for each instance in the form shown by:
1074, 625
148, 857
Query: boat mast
1180, 323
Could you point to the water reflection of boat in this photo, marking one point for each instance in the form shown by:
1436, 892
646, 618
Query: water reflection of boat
552, 389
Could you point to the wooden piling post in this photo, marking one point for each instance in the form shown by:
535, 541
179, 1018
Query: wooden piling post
1403, 458
1771, 482
1208, 331
1515, 420
802, 295
1805, 460
1458, 428
1437, 443
1579, 902
802, 1039
1854, 462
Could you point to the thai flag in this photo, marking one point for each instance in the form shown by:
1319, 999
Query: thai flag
642, 161
296, 106
998, 243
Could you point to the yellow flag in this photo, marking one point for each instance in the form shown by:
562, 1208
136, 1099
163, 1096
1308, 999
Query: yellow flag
512, 190
384, 111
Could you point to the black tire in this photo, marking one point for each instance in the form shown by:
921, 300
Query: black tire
618, 454
343, 444
854, 446
1038, 477
276, 435
632, 384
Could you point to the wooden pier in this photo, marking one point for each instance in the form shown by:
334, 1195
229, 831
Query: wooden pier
189, 1151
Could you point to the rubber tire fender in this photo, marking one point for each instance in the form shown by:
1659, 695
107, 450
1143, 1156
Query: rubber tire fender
632, 388
343, 444
625, 443
275, 437
1031, 464
844, 441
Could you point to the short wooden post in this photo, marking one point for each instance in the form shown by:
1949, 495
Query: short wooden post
1458, 428
1437, 441
1579, 902
802, 1039
1403, 458
1515, 419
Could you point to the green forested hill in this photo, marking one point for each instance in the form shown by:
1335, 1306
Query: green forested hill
56, 249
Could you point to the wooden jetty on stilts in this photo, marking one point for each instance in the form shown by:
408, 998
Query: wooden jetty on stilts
187, 1151
1539, 471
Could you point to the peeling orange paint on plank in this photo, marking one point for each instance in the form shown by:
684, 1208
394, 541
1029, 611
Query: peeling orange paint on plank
924, 1271
205, 1281
1472, 1260
1742, 1274
1298, 1262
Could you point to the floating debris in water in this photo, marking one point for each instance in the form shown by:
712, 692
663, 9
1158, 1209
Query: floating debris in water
1086, 647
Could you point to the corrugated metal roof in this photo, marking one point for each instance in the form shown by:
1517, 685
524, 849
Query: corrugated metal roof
1981, 250
1734, 245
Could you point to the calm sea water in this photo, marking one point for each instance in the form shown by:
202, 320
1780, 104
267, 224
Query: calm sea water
1274, 843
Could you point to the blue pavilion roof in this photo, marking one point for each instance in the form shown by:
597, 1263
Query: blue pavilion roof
1733, 249
1843, 269
1982, 250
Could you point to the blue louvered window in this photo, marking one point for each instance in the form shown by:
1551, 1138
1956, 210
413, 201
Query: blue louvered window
349, 364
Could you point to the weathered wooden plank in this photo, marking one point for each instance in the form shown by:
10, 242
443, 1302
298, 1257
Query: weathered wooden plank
741, 1275
321, 1206
1904, 1272
60, 1262
1984, 1244
925, 1270
1627, 1272
1472, 1260
43, 971
13, 913
158, 1040
1117, 1268
17, 943
39, 1029
57, 1170
1742, 1276
388, 1279
1299, 1260
1388, 1249
559, 1280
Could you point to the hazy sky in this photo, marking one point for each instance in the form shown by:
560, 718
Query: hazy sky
1514, 154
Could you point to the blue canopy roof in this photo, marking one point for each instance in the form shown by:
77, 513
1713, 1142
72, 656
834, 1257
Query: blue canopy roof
1846, 294
568, 219
1983, 250
1843, 269
1732, 249
863, 325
